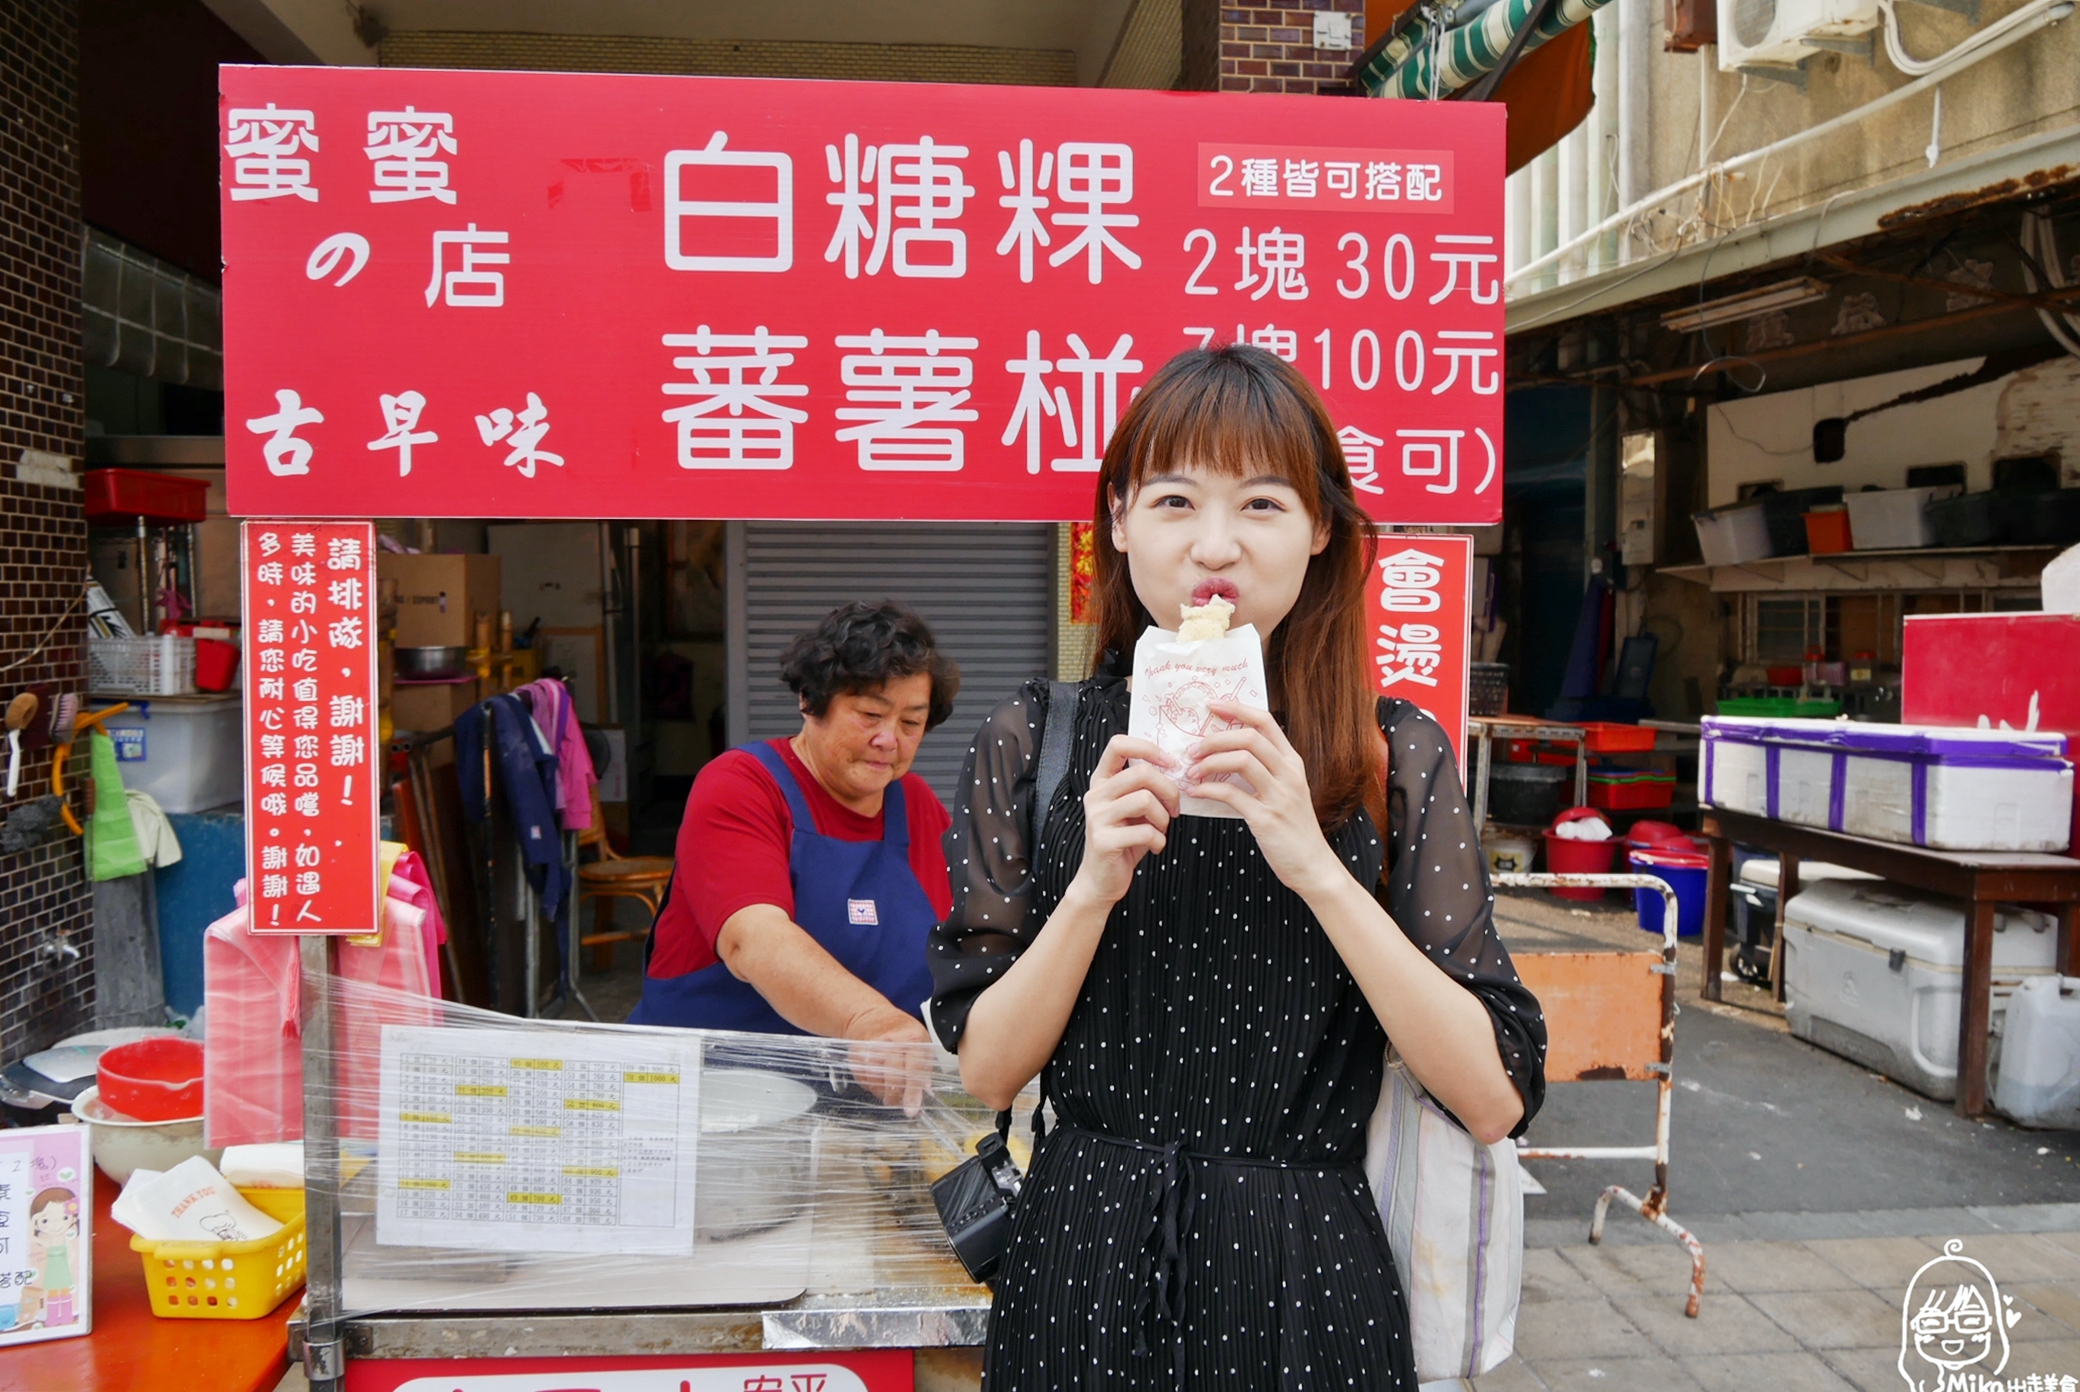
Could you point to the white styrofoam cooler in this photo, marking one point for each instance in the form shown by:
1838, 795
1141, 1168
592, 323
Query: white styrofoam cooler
188, 752
1732, 535
2039, 1079
1920, 785
1876, 974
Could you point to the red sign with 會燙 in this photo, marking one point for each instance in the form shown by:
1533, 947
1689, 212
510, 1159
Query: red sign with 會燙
521, 294
1419, 614
312, 751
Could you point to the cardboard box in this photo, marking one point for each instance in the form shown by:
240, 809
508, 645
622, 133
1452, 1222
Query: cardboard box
425, 707
438, 597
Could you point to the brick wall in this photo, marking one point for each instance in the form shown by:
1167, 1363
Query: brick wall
43, 537
1272, 50
724, 58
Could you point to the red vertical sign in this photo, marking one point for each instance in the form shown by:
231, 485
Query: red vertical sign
311, 744
1418, 610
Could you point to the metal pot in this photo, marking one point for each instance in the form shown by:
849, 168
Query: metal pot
428, 663
755, 1168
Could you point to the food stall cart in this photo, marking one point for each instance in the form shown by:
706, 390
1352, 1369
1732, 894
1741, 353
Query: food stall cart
728, 371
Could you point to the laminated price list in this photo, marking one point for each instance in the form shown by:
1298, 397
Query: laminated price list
536, 1141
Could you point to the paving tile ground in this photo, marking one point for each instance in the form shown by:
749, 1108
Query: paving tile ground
1782, 1316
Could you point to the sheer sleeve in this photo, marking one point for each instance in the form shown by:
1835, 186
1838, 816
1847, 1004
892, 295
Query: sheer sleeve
1437, 890
989, 860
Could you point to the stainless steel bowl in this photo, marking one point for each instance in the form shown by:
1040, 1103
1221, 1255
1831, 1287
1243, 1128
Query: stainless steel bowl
432, 662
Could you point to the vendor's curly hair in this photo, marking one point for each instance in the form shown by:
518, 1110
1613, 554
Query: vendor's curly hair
858, 647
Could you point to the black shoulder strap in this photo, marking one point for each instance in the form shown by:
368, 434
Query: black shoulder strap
1056, 740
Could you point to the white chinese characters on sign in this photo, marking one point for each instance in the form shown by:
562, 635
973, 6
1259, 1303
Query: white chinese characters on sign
714, 431
1473, 261
523, 431
266, 145
1360, 455
1098, 175
909, 393
1100, 393
1409, 651
1280, 256
920, 184
468, 286
401, 428
681, 244
286, 455
405, 148
1435, 454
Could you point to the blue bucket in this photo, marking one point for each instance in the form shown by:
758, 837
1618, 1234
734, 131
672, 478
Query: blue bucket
1687, 873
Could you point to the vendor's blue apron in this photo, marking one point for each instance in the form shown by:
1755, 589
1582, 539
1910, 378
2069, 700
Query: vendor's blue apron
857, 899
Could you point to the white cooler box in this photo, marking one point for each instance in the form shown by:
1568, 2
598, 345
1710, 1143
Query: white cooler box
1919, 785
1876, 975
188, 752
2039, 1079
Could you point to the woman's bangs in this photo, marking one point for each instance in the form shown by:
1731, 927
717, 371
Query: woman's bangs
1224, 423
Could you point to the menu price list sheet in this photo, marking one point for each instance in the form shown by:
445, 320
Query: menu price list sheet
534, 1141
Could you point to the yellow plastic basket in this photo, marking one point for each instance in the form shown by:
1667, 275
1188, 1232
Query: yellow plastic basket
229, 1280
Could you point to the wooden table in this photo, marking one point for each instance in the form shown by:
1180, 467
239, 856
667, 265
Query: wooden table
1982, 879
133, 1350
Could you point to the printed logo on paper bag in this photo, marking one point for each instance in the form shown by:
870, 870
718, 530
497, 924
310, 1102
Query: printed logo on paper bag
862, 913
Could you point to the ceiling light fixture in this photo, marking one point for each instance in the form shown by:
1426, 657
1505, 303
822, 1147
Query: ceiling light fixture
1748, 304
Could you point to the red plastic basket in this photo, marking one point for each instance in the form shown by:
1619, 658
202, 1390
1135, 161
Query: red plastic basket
124, 495
1607, 738
1637, 790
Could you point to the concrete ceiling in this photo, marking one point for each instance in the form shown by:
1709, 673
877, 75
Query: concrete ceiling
324, 31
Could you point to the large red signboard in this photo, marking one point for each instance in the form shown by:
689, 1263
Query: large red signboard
537, 295
311, 743
1419, 613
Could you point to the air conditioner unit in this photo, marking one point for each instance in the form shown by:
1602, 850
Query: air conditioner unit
1765, 34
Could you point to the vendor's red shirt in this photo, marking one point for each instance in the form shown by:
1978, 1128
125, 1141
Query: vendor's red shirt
734, 844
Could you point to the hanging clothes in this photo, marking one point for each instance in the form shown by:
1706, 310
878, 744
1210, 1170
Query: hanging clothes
525, 773
557, 717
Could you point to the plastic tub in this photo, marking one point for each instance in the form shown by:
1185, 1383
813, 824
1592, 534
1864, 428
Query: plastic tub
1606, 737
1966, 520
1784, 513
124, 495
1686, 873
186, 751
1565, 857
1526, 794
1732, 535
153, 1079
122, 1146
216, 664
1894, 519
1510, 855
1827, 530
2039, 1080
1624, 792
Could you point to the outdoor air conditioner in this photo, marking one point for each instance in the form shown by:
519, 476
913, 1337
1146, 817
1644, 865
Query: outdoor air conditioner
1764, 34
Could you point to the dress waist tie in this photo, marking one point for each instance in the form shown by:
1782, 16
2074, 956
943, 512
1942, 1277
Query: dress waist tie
1162, 1268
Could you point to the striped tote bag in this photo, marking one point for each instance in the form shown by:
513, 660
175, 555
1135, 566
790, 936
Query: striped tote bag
1454, 1214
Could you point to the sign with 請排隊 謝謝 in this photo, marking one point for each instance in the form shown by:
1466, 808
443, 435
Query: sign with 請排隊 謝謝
567, 295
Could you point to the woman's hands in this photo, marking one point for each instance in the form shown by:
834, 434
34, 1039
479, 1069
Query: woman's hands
1127, 815
1280, 810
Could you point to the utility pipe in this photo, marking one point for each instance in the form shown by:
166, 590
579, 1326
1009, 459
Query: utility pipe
2042, 14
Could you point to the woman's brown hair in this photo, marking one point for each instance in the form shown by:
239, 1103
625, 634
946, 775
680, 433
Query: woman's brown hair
1240, 411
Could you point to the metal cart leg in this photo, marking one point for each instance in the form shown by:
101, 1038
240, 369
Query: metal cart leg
324, 1354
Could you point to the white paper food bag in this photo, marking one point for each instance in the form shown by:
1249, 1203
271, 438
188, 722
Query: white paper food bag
191, 1202
1175, 682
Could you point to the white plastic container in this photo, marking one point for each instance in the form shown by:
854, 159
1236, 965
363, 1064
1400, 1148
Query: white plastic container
2038, 1083
188, 752
1877, 975
1733, 535
1894, 519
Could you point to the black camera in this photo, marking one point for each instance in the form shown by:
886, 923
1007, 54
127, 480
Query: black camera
976, 1199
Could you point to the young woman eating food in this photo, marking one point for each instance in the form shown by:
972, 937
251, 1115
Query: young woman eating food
1211, 998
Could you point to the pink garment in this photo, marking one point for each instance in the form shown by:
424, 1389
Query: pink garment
253, 1056
550, 700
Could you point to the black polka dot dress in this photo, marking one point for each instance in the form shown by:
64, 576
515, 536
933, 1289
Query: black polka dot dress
1199, 1218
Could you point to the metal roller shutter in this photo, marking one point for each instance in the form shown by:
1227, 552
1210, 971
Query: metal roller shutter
985, 588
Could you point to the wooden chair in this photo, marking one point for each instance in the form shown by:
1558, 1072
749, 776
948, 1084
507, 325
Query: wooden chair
614, 876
